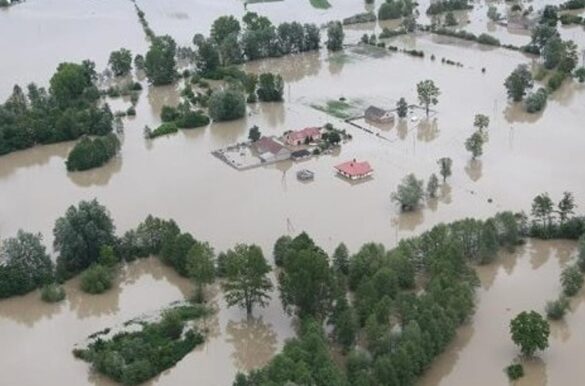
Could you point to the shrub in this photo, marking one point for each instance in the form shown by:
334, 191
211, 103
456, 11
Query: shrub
556, 80
488, 39
515, 371
227, 105
192, 119
131, 112
91, 153
536, 101
168, 114
52, 293
556, 309
571, 280
164, 129
96, 279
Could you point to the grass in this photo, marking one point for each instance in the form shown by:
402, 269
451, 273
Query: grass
342, 109
320, 4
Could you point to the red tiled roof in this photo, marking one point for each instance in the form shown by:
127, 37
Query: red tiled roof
267, 145
354, 168
300, 135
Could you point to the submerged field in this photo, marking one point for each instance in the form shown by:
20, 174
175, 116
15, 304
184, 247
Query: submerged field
177, 177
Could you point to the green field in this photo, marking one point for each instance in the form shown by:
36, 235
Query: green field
320, 4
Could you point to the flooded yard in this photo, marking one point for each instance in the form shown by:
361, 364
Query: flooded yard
177, 177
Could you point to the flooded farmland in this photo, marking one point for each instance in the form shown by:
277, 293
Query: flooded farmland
177, 177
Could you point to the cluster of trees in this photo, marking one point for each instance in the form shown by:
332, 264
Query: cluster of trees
231, 43
160, 60
270, 87
227, 104
120, 62
555, 221
183, 116
474, 144
395, 9
67, 111
132, 358
92, 152
441, 6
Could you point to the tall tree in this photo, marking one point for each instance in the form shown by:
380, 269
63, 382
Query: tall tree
445, 165
79, 236
409, 193
335, 36
481, 121
566, 206
247, 283
120, 62
428, 94
223, 27
160, 64
201, 267
341, 259
401, 108
530, 331
474, 144
543, 209
518, 82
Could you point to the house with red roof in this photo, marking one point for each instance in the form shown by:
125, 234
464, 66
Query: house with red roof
300, 137
355, 170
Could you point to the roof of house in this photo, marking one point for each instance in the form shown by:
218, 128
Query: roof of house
268, 145
375, 111
354, 168
300, 135
300, 153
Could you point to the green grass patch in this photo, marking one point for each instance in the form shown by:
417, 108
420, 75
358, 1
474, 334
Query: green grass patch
320, 4
342, 108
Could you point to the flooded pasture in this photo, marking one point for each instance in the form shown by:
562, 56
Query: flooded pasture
177, 177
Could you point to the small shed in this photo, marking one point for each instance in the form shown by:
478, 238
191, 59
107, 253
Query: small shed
378, 115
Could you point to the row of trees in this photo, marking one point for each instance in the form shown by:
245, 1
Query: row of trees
68, 110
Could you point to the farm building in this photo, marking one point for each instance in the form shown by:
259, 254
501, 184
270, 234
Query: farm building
354, 170
271, 151
300, 137
378, 115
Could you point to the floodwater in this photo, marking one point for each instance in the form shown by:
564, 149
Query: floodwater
177, 177
518, 282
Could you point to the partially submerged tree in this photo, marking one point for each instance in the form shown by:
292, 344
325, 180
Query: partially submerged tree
200, 267
159, 63
409, 193
445, 165
247, 283
254, 134
518, 82
401, 108
530, 331
432, 186
428, 94
121, 62
474, 144
335, 36
566, 207
481, 121
227, 105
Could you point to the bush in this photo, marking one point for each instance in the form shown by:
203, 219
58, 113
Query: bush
556, 309
96, 279
52, 293
131, 112
164, 129
571, 280
556, 80
169, 114
91, 153
227, 105
515, 371
366, 17
192, 119
488, 39
536, 101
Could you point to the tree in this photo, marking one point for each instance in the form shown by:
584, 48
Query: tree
481, 121
121, 62
227, 105
493, 13
160, 64
335, 36
247, 282
580, 74
541, 33
25, 264
69, 83
450, 19
428, 94
536, 101
200, 266
566, 206
231, 51
571, 280
306, 281
79, 237
409, 193
223, 27
341, 259
445, 165
208, 60
280, 249
432, 186
553, 52
530, 331
312, 37
518, 82
270, 87
254, 133
474, 144
402, 108
96, 279
542, 209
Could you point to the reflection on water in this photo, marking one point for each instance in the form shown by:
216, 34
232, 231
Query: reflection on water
37, 156
99, 176
474, 169
254, 342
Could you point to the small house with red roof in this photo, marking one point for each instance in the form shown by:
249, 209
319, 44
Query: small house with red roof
301, 137
355, 170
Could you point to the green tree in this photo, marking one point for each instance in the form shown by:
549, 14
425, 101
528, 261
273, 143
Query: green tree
530, 331
402, 108
280, 249
553, 52
227, 105
312, 37
481, 121
121, 62
450, 19
270, 87
566, 207
79, 236
335, 36
254, 133
571, 280
445, 165
201, 267
160, 64
428, 94
70, 83
341, 259
518, 82
208, 60
474, 144
541, 33
223, 27
543, 209
247, 283
432, 186
25, 264
580, 74
231, 51
409, 193
493, 13
96, 279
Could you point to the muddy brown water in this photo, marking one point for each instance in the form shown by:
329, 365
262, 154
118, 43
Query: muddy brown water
176, 177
